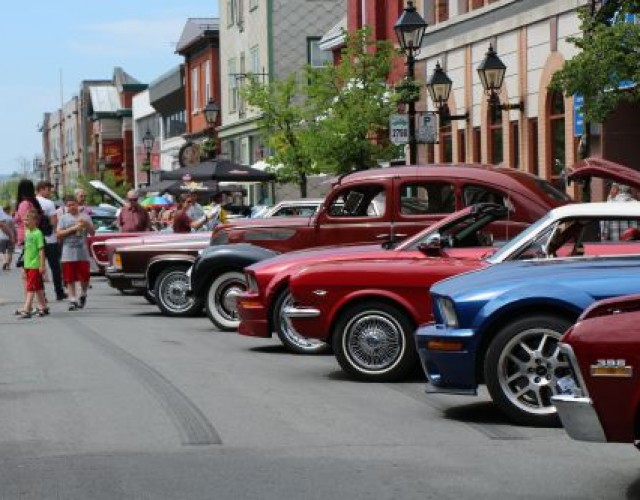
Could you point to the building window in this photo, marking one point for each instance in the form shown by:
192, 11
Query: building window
556, 130
442, 10
431, 153
316, 57
495, 136
477, 145
207, 81
233, 86
533, 146
175, 124
245, 151
475, 4
254, 54
446, 144
514, 161
195, 98
462, 147
231, 12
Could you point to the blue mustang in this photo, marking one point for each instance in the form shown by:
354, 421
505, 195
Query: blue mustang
501, 325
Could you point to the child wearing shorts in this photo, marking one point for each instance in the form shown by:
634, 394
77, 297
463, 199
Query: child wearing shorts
33, 268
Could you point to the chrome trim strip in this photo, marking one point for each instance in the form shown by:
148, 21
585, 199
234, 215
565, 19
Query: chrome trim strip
300, 312
567, 350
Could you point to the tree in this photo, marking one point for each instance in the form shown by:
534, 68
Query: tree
283, 127
330, 119
352, 104
608, 57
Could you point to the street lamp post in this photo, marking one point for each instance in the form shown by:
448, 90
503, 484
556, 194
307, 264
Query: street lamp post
148, 141
56, 180
410, 28
491, 72
439, 87
101, 167
211, 111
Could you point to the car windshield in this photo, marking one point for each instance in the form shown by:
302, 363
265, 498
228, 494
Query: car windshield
519, 240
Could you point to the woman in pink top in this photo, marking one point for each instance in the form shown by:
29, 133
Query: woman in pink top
25, 201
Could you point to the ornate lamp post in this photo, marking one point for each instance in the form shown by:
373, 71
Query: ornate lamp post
410, 28
211, 111
147, 140
439, 87
101, 166
491, 72
56, 180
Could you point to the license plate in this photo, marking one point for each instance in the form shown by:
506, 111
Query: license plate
567, 385
139, 283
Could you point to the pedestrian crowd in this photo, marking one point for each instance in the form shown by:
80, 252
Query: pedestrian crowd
57, 237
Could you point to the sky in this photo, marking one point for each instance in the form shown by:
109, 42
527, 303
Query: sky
47, 48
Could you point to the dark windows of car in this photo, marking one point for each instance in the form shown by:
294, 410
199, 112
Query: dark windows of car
473, 193
360, 201
418, 198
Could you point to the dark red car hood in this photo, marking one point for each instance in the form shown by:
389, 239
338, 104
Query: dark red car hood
605, 169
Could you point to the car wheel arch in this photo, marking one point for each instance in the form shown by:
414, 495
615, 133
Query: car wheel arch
354, 300
155, 269
273, 292
510, 314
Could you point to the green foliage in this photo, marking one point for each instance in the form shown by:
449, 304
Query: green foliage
407, 91
94, 197
608, 55
9, 191
331, 119
352, 104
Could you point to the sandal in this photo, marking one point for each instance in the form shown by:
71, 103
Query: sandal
42, 312
24, 314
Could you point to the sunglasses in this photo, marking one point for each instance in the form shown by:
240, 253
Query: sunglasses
132, 199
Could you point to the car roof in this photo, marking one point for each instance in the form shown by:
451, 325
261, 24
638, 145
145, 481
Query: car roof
610, 209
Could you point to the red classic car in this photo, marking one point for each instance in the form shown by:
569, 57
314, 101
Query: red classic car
260, 307
600, 401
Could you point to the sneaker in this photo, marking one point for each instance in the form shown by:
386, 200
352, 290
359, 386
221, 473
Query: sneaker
83, 301
73, 306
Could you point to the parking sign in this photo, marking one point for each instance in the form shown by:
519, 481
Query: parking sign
428, 127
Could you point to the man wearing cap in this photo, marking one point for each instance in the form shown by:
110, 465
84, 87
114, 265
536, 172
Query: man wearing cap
133, 218
51, 246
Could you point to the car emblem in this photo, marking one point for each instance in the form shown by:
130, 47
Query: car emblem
611, 368
320, 293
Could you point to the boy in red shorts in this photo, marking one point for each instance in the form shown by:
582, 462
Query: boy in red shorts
73, 229
33, 267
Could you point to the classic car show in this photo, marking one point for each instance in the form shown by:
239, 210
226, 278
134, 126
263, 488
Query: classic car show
350, 249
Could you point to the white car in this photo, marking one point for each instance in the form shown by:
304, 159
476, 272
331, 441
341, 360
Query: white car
305, 207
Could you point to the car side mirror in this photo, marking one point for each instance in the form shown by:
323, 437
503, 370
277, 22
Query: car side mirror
432, 247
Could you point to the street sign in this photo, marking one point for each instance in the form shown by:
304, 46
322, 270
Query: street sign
578, 115
427, 127
399, 129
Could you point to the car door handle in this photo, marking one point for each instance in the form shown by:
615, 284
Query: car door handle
386, 235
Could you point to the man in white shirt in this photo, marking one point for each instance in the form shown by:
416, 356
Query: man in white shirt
51, 247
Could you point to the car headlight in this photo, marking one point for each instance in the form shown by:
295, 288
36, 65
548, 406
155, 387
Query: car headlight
252, 282
448, 312
117, 261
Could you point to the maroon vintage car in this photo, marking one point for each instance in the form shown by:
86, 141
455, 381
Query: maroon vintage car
600, 401
157, 266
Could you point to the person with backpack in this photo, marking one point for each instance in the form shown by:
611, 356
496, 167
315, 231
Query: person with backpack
47, 226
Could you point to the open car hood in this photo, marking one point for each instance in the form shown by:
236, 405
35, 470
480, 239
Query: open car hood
102, 187
605, 169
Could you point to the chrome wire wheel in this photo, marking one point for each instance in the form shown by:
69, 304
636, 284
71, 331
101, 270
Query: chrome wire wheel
288, 335
173, 292
374, 341
528, 369
221, 303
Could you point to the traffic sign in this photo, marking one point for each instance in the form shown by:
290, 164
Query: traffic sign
399, 129
428, 127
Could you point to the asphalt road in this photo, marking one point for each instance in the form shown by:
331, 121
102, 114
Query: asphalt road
117, 401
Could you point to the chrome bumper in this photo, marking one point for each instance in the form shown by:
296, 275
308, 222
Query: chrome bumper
300, 312
579, 418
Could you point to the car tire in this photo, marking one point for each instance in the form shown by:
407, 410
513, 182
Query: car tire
373, 341
149, 297
290, 338
170, 290
219, 302
525, 355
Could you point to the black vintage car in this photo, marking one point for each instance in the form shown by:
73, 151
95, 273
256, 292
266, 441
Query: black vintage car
217, 276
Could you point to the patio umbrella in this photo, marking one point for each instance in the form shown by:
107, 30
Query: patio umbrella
155, 202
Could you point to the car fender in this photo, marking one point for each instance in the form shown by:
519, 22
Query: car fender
157, 264
350, 298
220, 258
